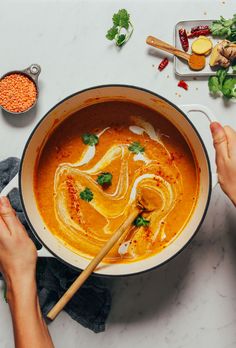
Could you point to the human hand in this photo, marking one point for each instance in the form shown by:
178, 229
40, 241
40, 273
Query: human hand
18, 257
18, 254
224, 139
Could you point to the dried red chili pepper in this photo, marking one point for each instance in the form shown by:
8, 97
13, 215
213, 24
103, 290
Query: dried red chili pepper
184, 39
197, 33
163, 64
199, 27
183, 84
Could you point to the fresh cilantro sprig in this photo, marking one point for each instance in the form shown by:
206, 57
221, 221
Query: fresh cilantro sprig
136, 147
229, 87
122, 28
90, 139
104, 179
222, 84
224, 28
86, 195
140, 221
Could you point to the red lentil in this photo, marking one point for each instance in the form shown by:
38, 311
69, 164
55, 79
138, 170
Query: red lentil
17, 92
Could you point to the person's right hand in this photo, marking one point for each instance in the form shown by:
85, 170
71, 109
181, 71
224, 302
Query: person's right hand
224, 139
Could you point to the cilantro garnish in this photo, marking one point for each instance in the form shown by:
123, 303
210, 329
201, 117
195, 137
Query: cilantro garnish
90, 139
112, 33
224, 28
86, 195
222, 83
122, 28
140, 221
104, 179
136, 147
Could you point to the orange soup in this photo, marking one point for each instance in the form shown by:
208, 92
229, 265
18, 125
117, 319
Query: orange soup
95, 164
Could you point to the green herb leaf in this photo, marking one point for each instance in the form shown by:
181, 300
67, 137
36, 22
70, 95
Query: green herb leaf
224, 28
229, 88
111, 34
222, 83
221, 74
104, 179
90, 139
140, 221
122, 28
232, 36
121, 40
86, 195
136, 147
121, 19
214, 85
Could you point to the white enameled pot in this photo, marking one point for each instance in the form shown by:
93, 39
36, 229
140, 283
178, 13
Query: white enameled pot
77, 101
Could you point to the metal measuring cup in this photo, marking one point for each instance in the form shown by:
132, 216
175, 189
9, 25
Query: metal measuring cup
32, 72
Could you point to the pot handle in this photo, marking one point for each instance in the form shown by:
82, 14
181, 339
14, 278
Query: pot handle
14, 183
211, 118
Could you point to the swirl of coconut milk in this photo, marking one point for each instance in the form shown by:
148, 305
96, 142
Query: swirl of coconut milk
116, 206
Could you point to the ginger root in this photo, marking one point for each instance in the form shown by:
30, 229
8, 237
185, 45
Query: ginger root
202, 45
223, 53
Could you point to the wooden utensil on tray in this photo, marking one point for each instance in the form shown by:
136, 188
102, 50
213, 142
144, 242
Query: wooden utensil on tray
195, 61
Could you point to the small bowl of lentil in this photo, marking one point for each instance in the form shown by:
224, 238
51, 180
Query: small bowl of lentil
19, 90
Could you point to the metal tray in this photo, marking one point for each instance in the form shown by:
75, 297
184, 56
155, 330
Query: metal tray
181, 68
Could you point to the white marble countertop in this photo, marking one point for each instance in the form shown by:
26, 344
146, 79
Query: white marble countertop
190, 302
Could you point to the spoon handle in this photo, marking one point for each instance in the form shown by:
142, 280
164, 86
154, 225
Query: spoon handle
164, 46
92, 265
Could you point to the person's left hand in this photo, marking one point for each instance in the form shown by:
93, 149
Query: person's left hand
18, 254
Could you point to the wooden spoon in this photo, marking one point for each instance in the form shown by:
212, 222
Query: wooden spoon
195, 61
141, 205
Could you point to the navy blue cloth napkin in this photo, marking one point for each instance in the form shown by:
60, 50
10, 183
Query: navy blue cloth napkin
91, 305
